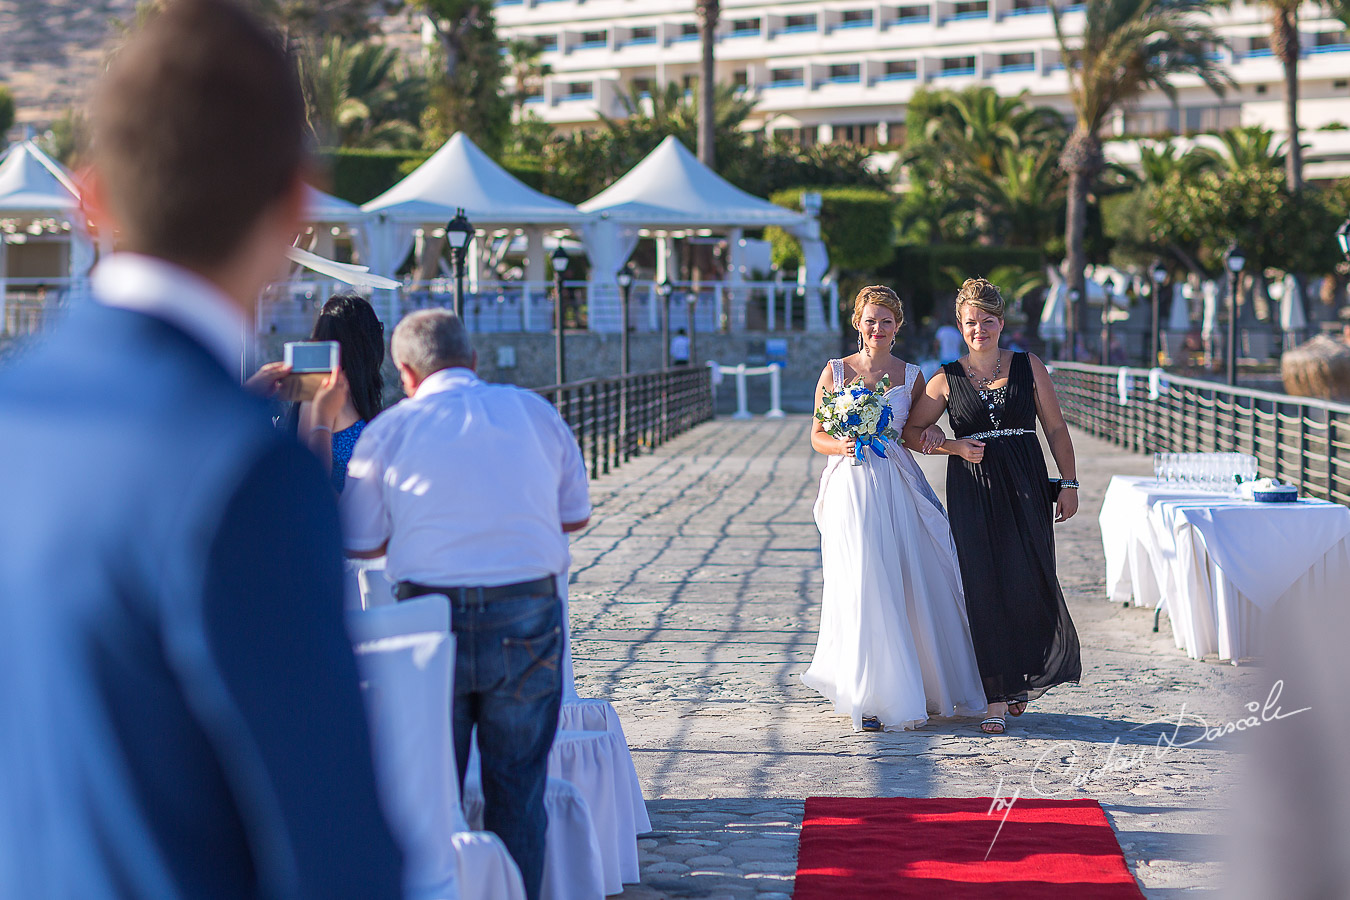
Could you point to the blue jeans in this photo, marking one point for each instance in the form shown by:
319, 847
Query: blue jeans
508, 683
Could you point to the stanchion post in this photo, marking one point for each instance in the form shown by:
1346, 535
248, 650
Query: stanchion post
775, 393
742, 411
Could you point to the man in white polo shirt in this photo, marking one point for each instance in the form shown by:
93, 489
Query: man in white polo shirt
470, 489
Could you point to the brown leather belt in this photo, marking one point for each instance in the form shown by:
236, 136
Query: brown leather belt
406, 590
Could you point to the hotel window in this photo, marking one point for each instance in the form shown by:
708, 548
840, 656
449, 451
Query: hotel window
580, 90
860, 135
592, 39
547, 43
744, 27
1259, 46
799, 23
645, 35
910, 14
900, 70
1023, 7
740, 78
856, 18
970, 10
1017, 62
1329, 41
958, 65
688, 32
786, 77
845, 73
642, 86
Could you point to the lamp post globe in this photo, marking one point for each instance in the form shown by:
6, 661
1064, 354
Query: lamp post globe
559, 260
458, 233
1343, 238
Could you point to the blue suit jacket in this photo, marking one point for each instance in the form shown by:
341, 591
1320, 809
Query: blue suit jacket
179, 711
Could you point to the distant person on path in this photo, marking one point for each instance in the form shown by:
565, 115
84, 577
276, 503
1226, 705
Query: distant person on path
470, 489
679, 348
950, 344
180, 715
1001, 505
894, 643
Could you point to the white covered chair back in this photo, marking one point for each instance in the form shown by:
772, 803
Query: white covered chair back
405, 656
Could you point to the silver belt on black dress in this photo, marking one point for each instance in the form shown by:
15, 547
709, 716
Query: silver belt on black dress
1002, 432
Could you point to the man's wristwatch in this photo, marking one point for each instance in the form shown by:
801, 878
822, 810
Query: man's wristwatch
1067, 483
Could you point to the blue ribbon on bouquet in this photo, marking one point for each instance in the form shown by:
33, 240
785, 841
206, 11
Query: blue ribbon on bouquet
872, 441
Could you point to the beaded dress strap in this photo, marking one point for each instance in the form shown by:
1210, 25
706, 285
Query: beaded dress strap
837, 369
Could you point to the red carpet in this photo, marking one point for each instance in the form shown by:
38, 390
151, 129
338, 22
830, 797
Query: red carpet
935, 847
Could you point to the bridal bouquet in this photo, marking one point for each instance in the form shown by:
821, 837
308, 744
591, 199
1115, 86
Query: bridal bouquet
858, 413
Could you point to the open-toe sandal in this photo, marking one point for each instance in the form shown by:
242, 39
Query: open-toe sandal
1017, 707
994, 725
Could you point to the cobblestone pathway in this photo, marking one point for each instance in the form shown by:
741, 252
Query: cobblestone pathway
695, 597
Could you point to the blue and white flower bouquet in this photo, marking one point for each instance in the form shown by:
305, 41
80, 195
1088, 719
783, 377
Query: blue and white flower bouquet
858, 413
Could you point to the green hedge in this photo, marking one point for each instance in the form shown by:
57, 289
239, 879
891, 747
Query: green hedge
856, 223
361, 175
917, 272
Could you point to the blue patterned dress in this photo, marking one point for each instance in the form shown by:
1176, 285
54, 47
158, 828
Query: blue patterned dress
343, 442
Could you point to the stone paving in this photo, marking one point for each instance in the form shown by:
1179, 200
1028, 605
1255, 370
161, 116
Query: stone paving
695, 600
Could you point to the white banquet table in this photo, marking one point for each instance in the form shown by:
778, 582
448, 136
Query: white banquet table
1219, 565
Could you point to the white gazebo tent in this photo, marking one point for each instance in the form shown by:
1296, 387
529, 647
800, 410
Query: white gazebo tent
43, 236
460, 175
671, 190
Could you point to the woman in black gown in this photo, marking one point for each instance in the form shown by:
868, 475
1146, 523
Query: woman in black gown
1001, 506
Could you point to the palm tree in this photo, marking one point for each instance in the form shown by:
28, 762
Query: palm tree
1284, 45
1159, 161
1251, 147
527, 70
1127, 47
354, 96
708, 11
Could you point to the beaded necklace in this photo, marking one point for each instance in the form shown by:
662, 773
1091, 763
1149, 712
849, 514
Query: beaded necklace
992, 397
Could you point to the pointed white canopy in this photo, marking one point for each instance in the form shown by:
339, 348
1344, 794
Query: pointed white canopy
32, 183
672, 188
461, 175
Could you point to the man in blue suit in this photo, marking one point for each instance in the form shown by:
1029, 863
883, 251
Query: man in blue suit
179, 710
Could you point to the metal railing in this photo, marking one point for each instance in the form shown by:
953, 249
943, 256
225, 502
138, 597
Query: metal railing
615, 419
1298, 440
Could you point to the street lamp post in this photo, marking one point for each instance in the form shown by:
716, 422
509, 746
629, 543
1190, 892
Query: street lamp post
1236, 261
663, 295
1110, 289
559, 259
625, 280
1158, 274
457, 234
1343, 238
691, 304
1075, 332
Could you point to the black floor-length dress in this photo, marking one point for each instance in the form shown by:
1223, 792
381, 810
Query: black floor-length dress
1003, 522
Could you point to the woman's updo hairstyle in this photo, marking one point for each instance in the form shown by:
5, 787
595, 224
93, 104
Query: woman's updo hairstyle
982, 295
880, 295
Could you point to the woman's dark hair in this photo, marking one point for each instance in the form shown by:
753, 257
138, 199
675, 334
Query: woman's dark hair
350, 320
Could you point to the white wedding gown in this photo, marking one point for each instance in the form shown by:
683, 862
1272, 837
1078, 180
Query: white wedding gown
894, 638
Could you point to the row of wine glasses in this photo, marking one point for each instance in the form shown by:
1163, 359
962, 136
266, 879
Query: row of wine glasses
1220, 472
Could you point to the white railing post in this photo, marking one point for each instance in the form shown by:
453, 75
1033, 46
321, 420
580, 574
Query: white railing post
742, 410
775, 393
773, 307
526, 304
834, 307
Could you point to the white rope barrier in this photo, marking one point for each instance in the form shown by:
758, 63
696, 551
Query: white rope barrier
741, 372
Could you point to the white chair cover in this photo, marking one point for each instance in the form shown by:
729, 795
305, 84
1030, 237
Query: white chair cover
351, 586
404, 654
376, 588
594, 762
588, 714
573, 863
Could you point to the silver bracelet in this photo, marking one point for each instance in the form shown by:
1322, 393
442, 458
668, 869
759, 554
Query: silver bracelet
1067, 483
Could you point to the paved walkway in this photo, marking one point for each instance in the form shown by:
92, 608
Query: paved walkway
695, 602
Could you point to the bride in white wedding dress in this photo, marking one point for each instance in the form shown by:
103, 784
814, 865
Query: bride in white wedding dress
894, 645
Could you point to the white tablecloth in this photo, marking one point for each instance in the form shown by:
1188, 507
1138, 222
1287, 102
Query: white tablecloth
1219, 564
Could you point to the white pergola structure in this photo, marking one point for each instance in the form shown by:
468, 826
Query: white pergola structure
670, 192
413, 213
45, 246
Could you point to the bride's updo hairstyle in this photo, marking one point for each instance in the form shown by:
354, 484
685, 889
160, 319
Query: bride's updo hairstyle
982, 295
880, 295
